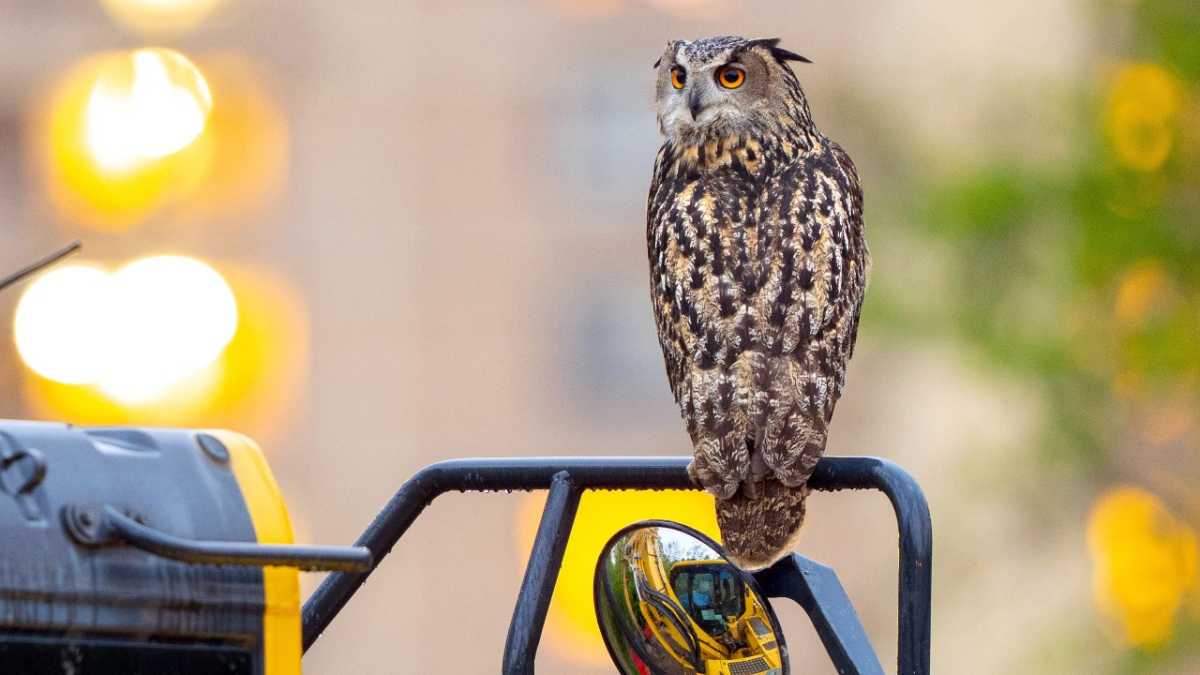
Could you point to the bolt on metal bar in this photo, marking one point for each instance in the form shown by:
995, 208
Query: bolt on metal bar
313, 558
545, 559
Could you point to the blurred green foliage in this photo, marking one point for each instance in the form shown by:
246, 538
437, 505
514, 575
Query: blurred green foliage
1076, 268
1082, 273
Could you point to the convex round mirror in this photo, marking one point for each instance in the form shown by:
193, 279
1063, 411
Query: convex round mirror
668, 602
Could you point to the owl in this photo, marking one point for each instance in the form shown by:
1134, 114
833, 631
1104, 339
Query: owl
758, 264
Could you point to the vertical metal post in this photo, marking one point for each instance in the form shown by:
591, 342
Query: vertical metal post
541, 573
916, 566
916, 545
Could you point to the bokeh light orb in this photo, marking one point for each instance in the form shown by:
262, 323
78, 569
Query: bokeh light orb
155, 106
255, 385
60, 323
133, 334
176, 315
159, 16
122, 135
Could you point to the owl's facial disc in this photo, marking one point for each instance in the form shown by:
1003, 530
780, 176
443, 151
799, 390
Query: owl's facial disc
712, 97
725, 90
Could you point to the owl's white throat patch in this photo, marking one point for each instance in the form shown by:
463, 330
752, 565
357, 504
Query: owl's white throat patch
679, 127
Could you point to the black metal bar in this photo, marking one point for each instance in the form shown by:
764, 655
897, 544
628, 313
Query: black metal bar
916, 565
316, 558
38, 266
534, 473
832, 473
816, 588
525, 630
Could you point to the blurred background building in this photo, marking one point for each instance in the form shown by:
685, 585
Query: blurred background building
378, 234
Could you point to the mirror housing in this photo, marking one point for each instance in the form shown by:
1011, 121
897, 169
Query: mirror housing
669, 601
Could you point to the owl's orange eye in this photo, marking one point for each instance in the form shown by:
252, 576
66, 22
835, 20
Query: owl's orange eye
678, 77
731, 77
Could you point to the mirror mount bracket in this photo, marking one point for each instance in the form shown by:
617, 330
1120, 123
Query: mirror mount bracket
817, 589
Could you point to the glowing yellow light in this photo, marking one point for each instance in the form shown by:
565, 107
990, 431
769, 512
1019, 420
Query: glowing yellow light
1144, 565
174, 315
150, 117
159, 16
134, 334
571, 625
123, 135
252, 386
60, 323
159, 109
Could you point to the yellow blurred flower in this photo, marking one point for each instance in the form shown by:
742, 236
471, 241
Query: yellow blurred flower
1144, 565
1140, 118
1140, 288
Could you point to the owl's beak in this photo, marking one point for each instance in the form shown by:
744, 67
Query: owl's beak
695, 102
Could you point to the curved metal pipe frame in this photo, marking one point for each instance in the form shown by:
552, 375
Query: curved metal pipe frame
567, 477
308, 558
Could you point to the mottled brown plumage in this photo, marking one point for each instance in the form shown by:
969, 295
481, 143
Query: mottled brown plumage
758, 265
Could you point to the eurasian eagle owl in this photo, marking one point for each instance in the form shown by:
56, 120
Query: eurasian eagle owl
758, 266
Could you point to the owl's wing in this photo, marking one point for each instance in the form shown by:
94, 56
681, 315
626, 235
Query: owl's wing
813, 318
813, 289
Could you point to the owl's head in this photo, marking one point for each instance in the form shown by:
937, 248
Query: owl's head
727, 84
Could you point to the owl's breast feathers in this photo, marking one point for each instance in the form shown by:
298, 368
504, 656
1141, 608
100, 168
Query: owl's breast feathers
758, 265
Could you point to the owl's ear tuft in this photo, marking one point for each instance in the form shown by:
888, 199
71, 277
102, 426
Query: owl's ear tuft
781, 54
766, 43
785, 55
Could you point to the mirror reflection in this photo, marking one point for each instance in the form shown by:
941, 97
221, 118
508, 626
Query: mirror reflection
669, 602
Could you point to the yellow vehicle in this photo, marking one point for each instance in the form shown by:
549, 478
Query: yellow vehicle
698, 611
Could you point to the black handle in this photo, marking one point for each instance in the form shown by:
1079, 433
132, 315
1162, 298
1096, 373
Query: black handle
111, 526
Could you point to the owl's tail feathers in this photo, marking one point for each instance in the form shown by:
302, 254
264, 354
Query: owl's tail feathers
760, 530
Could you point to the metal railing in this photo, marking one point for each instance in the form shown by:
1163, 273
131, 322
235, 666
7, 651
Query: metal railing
812, 585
